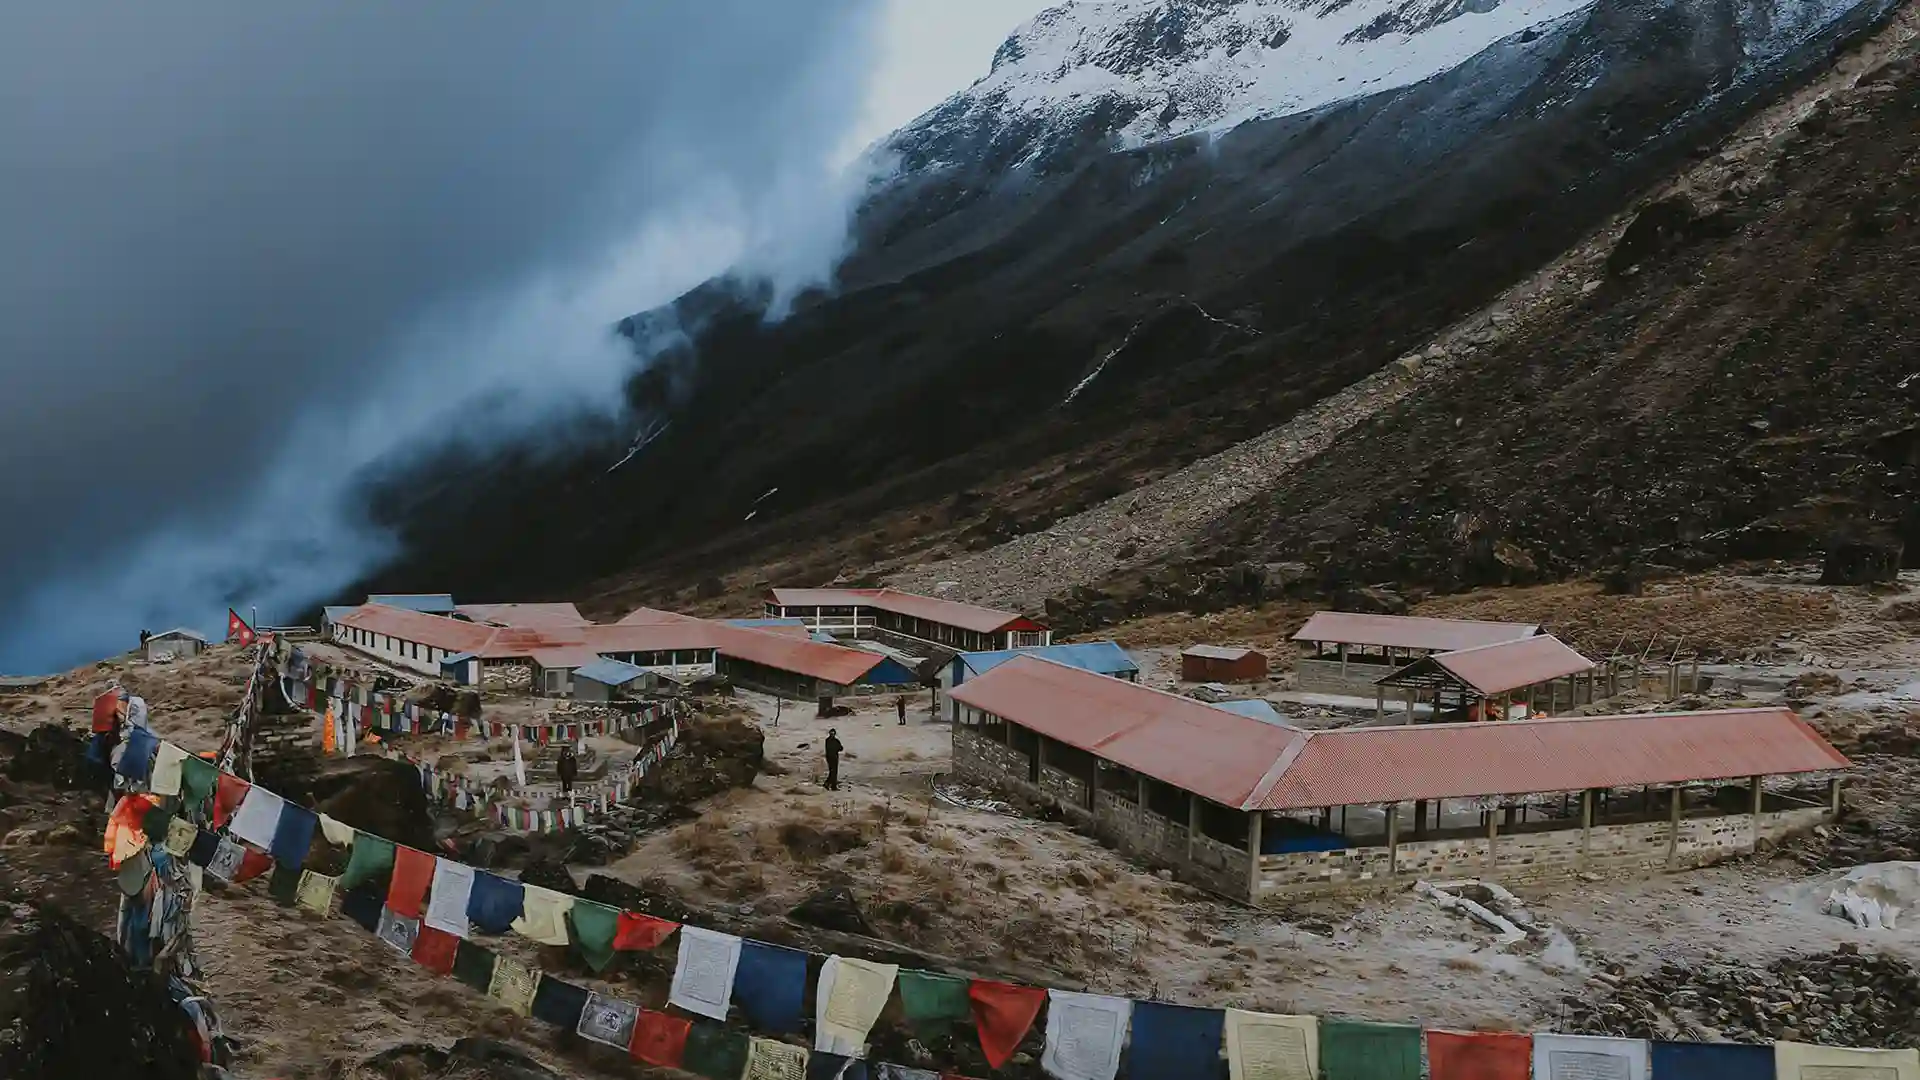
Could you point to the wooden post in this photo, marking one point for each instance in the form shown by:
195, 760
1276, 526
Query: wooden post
1553, 697
1586, 822
1493, 838
1411, 694
1193, 821
1253, 856
1833, 796
1140, 783
1343, 660
1379, 703
1420, 819
1754, 793
1673, 826
1393, 840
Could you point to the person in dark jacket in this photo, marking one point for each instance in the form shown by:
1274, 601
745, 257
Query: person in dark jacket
833, 759
900, 706
568, 768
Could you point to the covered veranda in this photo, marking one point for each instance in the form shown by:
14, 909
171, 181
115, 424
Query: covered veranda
1534, 676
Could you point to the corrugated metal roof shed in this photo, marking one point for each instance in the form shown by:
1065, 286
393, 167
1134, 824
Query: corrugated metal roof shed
1237, 761
431, 603
610, 672
524, 615
1496, 669
1409, 632
409, 625
1219, 652
180, 632
1177, 740
1431, 761
945, 612
336, 612
1103, 657
569, 656
798, 655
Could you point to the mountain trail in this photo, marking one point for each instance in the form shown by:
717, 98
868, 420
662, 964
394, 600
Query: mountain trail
1159, 519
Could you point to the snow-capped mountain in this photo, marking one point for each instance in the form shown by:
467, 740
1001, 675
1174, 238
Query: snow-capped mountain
1118, 74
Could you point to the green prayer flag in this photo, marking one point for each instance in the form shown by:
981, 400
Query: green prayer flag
473, 965
932, 1001
594, 926
154, 823
371, 860
715, 1053
1356, 1051
284, 885
197, 780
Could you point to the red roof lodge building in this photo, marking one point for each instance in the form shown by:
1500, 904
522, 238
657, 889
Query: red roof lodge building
1261, 812
858, 613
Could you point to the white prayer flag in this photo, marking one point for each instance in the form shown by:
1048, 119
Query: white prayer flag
848, 1003
1084, 1035
336, 833
258, 817
1271, 1046
447, 903
1585, 1057
1803, 1061
703, 975
167, 770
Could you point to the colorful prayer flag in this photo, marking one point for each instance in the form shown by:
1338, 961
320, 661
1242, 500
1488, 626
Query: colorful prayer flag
558, 1003
294, 835
316, 892
1003, 1012
412, 873
1356, 1051
451, 894
543, 917
1712, 1061
513, 985
1459, 1055
715, 1052
1177, 1040
228, 794
435, 950
608, 1021
931, 1002
769, 1059
642, 932
473, 965
1803, 1061
1272, 1046
703, 975
1084, 1035
660, 1039
593, 928
1574, 1057
849, 1000
770, 985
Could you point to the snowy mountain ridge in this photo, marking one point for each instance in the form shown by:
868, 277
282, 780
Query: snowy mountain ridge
1140, 71
1093, 75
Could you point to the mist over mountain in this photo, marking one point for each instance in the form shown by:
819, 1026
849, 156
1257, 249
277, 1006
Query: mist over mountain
258, 258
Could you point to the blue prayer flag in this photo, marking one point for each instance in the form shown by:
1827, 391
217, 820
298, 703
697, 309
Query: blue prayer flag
363, 906
293, 835
494, 902
1711, 1061
770, 984
1176, 1042
136, 762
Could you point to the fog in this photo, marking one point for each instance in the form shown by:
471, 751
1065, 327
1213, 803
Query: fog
257, 254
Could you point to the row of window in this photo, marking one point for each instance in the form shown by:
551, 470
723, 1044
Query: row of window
407, 650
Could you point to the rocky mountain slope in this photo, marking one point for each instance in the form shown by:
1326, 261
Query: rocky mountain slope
1075, 325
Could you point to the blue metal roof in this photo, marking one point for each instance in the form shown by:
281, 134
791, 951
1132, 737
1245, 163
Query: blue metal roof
764, 622
456, 658
823, 637
610, 672
1099, 657
1254, 709
888, 672
427, 603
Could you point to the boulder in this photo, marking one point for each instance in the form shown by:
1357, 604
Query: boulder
1863, 560
1369, 600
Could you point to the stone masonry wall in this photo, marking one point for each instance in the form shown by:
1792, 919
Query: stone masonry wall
1324, 677
1522, 858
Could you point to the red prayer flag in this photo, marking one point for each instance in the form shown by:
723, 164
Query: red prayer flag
1003, 1013
412, 873
1456, 1055
237, 629
252, 864
659, 1039
106, 711
636, 932
434, 950
227, 793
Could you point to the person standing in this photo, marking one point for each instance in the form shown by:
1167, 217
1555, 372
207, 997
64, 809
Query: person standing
833, 759
568, 768
900, 706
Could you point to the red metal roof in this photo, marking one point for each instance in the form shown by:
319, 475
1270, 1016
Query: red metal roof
945, 612
1496, 669
786, 648
1431, 761
524, 615
1216, 754
1219, 652
681, 632
453, 635
569, 656
1238, 761
1409, 632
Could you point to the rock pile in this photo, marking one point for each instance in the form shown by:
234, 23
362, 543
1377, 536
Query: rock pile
1841, 998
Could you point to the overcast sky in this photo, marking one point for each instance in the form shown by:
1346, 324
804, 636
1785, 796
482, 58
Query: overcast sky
928, 50
257, 253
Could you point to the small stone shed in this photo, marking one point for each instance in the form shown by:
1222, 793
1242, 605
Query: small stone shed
175, 644
606, 680
1222, 663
